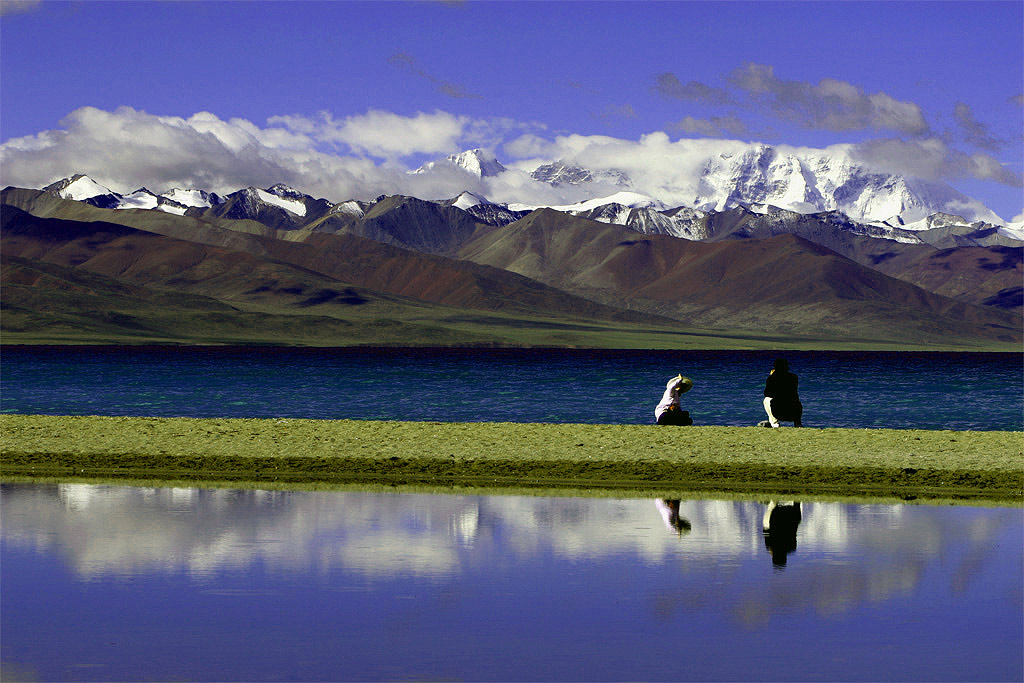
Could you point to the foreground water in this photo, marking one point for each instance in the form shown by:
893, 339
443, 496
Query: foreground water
122, 583
839, 389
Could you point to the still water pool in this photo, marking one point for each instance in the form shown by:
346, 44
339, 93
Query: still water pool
125, 583
982, 391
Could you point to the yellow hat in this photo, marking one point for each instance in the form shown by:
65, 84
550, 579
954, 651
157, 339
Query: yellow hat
684, 383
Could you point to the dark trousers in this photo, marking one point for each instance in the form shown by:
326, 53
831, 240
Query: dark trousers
788, 411
675, 417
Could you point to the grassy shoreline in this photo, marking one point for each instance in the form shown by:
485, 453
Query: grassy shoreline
836, 463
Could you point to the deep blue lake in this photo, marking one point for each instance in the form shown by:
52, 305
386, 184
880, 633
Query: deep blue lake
130, 584
916, 390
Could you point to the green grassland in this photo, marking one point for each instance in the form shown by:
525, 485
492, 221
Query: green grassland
834, 463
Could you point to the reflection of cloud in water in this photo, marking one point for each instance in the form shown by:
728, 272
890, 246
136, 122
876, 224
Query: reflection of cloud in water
846, 554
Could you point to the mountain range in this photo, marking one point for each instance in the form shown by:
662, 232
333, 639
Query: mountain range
274, 265
754, 176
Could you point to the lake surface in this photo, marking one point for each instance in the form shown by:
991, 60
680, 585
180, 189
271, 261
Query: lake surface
125, 583
918, 390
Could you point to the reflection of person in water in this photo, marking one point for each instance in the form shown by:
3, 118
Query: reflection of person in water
781, 399
779, 525
669, 510
668, 411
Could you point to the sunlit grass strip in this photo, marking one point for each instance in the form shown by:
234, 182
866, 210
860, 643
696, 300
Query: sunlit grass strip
839, 462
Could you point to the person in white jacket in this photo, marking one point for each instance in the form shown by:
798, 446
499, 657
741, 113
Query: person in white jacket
668, 411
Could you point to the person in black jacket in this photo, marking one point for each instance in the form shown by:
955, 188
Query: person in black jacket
781, 399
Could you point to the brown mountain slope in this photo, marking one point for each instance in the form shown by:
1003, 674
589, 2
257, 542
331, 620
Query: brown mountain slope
360, 262
990, 276
47, 303
782, 283
415, 224
339, 270
241, 235
783, 286
160, 263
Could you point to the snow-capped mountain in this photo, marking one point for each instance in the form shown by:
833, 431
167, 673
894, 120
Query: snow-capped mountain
561, 173
468, 200
284, 197
82, 188
349, 208
631, 200
190, 198
732, 191
485, 211
279, 206
476, 162
177, 201
812, 183
804, 182
144, 199
78, 187
945, 221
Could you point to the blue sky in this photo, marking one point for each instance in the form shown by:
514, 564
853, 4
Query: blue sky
338, 98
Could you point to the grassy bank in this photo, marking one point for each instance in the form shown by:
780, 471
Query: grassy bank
835, 462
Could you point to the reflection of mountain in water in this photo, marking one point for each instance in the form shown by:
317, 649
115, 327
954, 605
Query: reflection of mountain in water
847, 554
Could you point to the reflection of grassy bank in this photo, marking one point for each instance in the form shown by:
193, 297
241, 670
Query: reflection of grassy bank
834, 462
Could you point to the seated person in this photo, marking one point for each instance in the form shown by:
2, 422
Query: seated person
668, 412
781, 399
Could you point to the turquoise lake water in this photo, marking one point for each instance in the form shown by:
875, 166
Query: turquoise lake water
839, 389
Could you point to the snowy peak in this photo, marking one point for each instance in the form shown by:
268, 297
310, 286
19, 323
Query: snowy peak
476, 162
483, 210
78, 187
279, 206
780, 184
467, 200
560, 173
813, 183
629, 200
942, 220
284, 192
249, 202
192, 198
140, 199
759, 176
350, 208
284, 198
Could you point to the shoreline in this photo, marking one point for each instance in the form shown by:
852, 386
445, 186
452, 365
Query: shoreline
837, 463
774, 347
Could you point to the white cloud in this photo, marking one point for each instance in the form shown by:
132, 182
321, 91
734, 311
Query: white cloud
669, 85
975, 132
127, 148
9, 7
383, 134
657, 166
933, 159
830, 104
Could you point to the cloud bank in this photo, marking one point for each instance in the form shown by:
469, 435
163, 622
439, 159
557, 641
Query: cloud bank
9, 7
366, 155
830, 104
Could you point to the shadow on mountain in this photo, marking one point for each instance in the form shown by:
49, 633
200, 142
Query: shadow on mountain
431, 267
